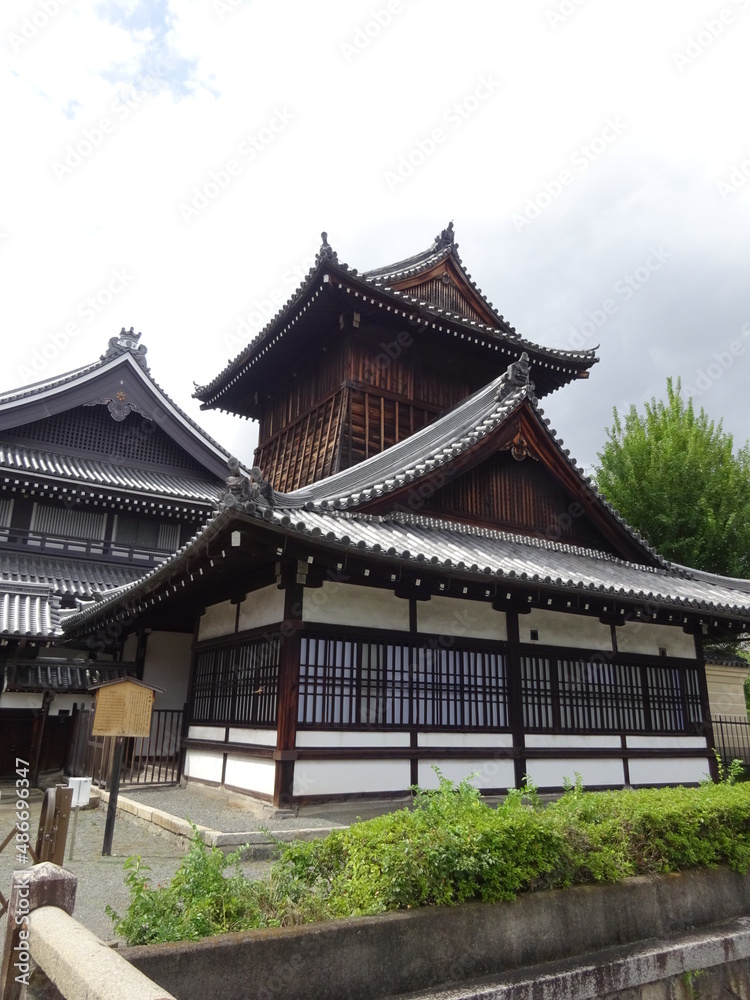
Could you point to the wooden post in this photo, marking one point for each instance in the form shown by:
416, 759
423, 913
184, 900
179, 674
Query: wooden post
515, 699
43, 885
114, 791
286, 732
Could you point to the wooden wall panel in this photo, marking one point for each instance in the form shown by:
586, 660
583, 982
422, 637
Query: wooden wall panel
306, 450
504, 493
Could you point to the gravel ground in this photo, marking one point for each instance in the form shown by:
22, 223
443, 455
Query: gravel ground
101, 879
233, 813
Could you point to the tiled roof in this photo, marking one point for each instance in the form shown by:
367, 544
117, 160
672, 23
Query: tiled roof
63, 675
28, 611
121, 350
421, 453
17, 458
351, 281
441, 248
65, 577
469, 552
438, 445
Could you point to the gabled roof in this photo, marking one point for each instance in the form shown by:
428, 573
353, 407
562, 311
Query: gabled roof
456, 442
329, 517
428, 546
28, 610
331, 284
440, 265
122, 381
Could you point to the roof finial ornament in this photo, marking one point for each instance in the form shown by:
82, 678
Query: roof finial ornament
326, 251
126, 343
518, 371
446, 238
243, 492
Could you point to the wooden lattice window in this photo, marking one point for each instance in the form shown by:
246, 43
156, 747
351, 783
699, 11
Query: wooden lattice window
237, 685
68, 522
344, 683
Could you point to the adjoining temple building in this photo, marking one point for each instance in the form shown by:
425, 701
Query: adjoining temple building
416, 574
102, 476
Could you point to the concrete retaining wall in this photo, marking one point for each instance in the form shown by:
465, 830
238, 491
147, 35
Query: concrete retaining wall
400, 952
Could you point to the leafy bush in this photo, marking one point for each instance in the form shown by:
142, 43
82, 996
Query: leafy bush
451, 847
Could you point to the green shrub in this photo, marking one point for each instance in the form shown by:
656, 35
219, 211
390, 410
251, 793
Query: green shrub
451, 847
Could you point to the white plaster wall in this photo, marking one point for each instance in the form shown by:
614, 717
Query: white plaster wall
336, 738
206, 733
451, 616
266, 737
21, 699
262, 607
559, 629
465, 740
250, 774
554, 740
666, 742
360, 607
218, 620
485, 773
334, 777
668, 770
167, 665
203, 765
551, 773
726, 692
648, 638
33, 700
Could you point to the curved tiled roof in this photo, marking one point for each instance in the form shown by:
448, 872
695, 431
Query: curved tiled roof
117, 353
81, 578
327, 264
28, 611
18, 458
433, 545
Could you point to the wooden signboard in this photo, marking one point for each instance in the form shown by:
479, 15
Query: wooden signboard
123, 708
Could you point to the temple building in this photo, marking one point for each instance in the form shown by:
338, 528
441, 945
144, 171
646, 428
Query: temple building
416, 574
102, 477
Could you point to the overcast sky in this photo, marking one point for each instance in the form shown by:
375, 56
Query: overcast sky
170, 166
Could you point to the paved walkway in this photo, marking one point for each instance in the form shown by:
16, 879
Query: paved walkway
233, 819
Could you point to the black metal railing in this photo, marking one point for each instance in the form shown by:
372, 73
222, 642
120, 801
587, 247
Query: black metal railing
147, 760
732, 738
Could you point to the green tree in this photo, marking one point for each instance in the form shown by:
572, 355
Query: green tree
674, 476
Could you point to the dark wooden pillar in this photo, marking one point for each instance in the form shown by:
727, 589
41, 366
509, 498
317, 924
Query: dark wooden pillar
708, 728
285, 753
515, 700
